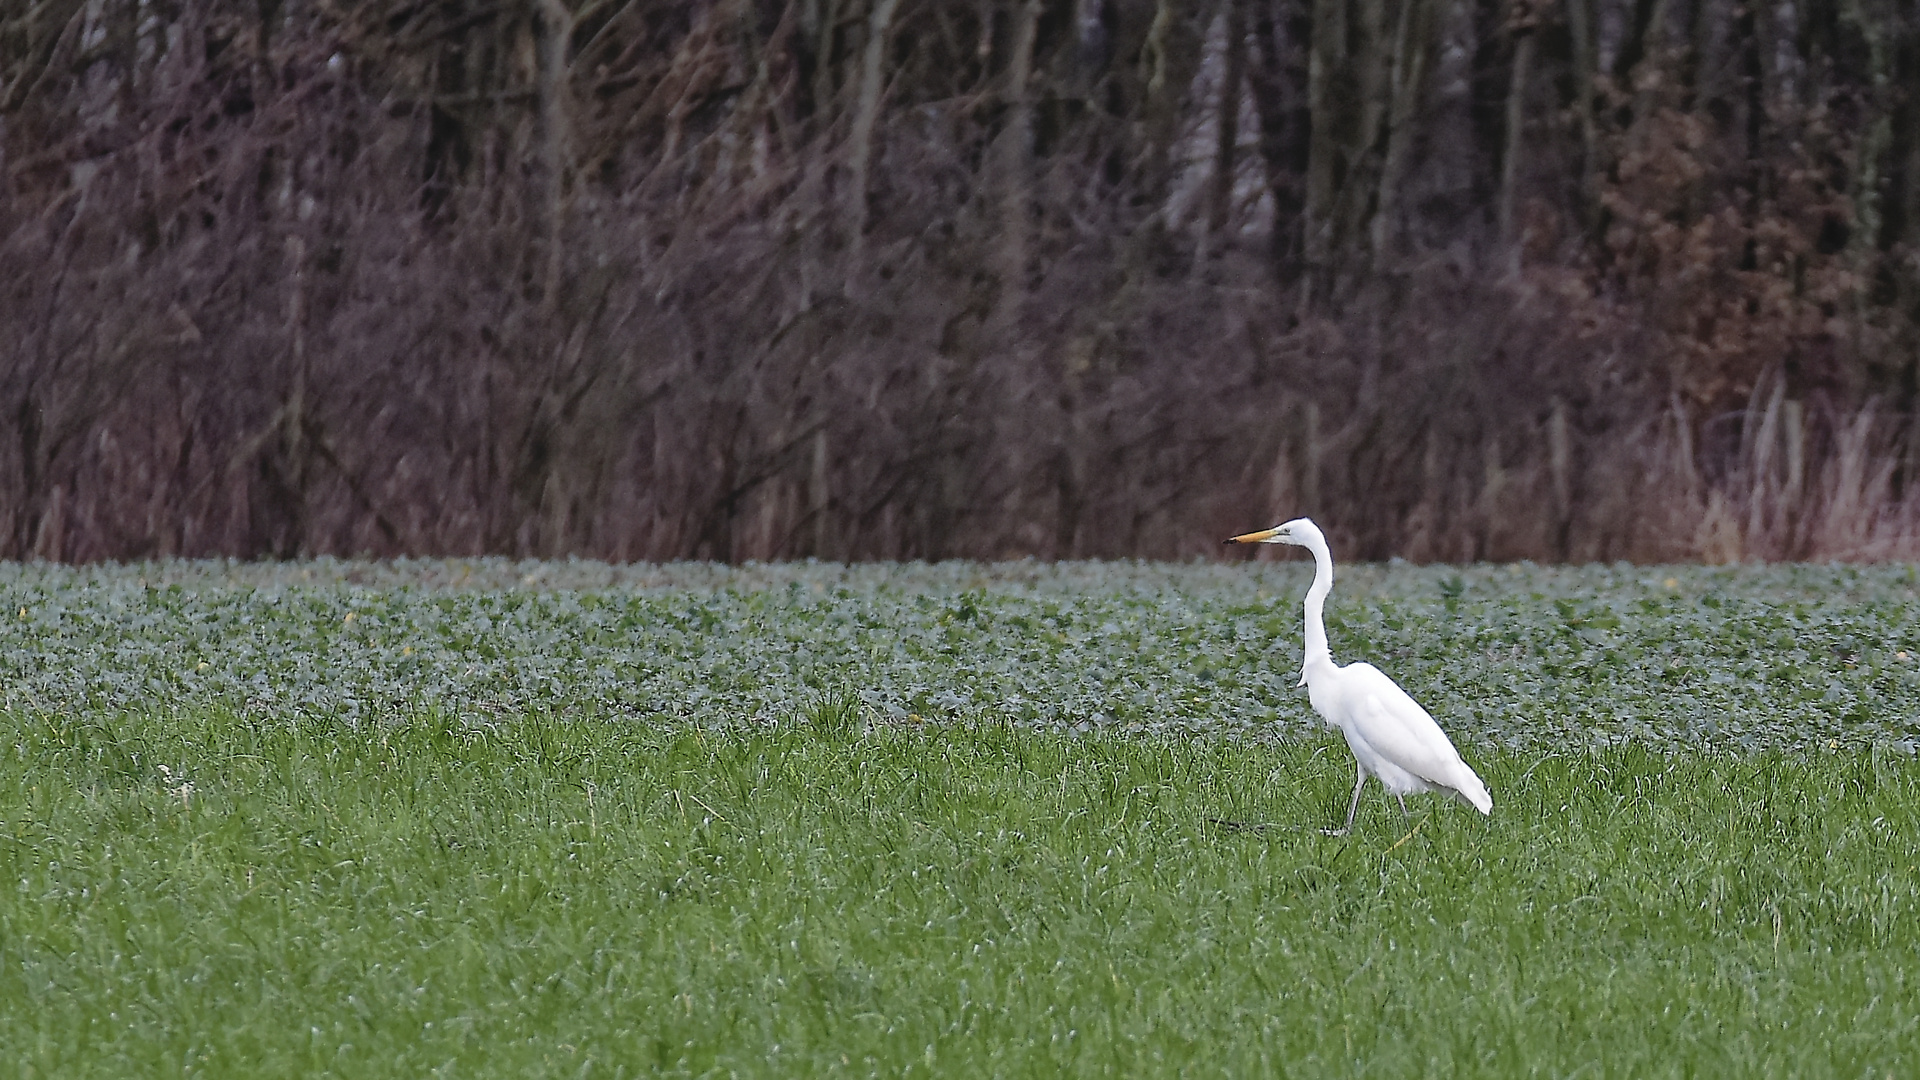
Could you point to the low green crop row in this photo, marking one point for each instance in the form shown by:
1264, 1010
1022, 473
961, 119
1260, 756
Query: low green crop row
1783, 658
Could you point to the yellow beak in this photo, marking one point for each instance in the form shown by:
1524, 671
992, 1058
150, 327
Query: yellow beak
1260, 537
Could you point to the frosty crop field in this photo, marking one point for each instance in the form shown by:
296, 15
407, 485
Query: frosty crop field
531, 819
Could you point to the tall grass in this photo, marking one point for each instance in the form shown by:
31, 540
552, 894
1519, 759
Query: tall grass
843, 896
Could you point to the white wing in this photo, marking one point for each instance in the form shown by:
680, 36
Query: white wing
1399, 730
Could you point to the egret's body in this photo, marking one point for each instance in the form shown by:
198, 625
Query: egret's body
1391, 736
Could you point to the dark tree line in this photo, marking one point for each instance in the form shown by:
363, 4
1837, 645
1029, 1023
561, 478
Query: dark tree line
649, 279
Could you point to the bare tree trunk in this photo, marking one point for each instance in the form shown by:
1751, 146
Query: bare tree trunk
1172, 54
1279, 82
295, 452
1071, 481
1227, 112
1348, 93
1371, 60
820, 498
1753, 75
1560, 467
1585, 62
866, 115
1648, 46
1868, 172
1521, 24
820, 20
1015, 146
1327, 57
556, 31
1649, 22
1411, 47
1310, 478
50, 539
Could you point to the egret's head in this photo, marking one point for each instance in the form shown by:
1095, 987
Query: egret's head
1301, 532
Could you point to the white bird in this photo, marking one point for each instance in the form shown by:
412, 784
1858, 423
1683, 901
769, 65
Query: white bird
1391, 736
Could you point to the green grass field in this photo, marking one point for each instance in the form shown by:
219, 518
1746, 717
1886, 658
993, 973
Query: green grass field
532, 820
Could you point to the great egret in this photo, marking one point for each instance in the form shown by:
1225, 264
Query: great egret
1390, 735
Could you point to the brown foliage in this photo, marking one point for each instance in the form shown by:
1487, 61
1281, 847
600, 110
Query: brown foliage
740, 279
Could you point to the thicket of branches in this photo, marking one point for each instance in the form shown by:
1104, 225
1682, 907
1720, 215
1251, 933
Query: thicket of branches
733, 279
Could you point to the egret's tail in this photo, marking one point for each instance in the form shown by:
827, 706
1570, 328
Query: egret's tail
1467, 785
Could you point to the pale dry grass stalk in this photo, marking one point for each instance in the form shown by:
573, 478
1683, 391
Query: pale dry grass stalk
1773, 505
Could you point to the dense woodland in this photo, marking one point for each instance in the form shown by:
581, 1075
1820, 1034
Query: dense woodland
856, 279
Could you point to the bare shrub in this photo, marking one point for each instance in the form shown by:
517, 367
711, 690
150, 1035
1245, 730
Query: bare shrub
927, 279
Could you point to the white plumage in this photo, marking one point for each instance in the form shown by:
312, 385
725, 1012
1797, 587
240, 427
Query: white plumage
1391, 736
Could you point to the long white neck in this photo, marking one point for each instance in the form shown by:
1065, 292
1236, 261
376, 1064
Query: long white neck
1316, 650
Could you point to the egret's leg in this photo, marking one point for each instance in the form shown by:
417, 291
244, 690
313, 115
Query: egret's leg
1403, 807
1354, 806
